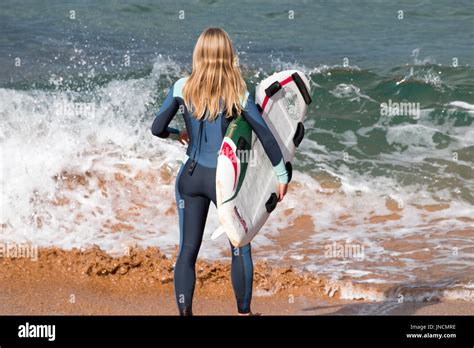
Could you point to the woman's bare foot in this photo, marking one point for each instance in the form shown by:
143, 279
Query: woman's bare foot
250, 314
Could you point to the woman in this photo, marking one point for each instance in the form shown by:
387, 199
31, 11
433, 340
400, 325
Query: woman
209, 98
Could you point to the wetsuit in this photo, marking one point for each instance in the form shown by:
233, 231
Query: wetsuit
195, 189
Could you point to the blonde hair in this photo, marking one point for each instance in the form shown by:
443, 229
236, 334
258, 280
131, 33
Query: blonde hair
215, 75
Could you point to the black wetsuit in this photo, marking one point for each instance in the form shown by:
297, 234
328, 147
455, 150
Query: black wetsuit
195, 189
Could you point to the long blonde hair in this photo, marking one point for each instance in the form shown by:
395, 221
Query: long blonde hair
215, 75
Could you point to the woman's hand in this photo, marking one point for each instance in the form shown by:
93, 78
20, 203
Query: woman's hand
183, 137
282, 189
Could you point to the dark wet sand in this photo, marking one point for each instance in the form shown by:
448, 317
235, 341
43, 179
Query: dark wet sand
93, 283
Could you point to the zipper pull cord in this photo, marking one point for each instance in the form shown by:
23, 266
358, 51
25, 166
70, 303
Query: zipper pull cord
197, 150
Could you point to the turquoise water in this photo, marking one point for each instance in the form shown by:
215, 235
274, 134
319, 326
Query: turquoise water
367, 32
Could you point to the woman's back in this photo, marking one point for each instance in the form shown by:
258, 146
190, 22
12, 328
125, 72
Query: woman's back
205, 135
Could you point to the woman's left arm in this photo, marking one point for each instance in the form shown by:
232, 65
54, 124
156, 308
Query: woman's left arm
270, 145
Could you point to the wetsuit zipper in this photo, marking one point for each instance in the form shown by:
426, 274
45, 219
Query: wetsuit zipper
194, 160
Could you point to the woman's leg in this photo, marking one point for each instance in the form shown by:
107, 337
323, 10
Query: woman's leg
192, 211
242, 266
194, 219
242, 277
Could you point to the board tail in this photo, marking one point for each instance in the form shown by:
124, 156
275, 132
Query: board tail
217, 233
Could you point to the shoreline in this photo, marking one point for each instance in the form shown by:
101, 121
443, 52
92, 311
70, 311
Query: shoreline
91, 282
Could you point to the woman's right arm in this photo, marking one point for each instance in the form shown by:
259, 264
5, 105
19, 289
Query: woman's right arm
165, 115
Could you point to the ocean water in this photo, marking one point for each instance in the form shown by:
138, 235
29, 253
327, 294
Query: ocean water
80, 82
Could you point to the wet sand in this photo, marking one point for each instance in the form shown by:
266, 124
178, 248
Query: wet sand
91, 282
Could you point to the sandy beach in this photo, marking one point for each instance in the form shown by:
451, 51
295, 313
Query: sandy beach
91, 282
